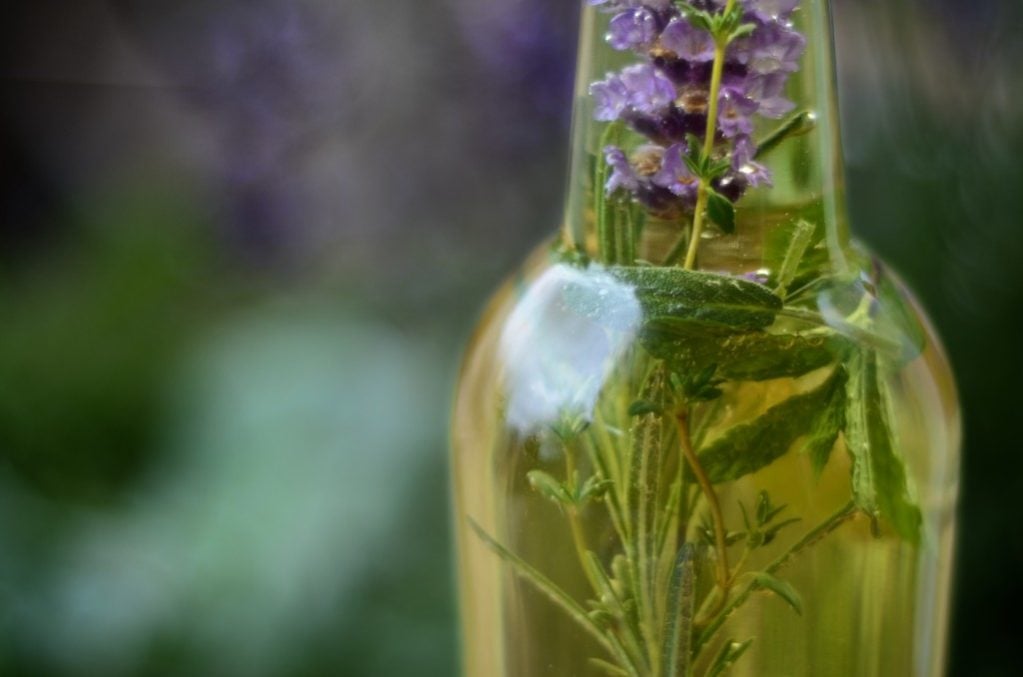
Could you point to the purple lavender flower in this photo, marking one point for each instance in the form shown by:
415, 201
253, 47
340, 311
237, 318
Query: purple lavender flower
770, 10
623, 176
687, 41
666, 98
735, 110
650, 91
743, 164
611, 96
675, 174
767, 90
619, 5
633, 29
776, 49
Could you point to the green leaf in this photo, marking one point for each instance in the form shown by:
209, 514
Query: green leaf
799, 238
731, 652
799, 124
674, 295
549, 488
793, 256
545, 586
593, 488
755, 356
881, 484
744, 29
822, 437
644, 407
678, 624
721, 211
747, 448
612, 670
781, 588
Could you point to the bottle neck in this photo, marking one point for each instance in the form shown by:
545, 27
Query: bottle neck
806, 176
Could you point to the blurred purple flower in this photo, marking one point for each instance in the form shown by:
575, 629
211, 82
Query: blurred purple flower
735, 111
743, 163
776, 49
688, 42
611, 97
619, 5
650, 91
770, 10
675, 174
623, 176
633, 29
767, 90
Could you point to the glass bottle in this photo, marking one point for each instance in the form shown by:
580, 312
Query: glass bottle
703, 431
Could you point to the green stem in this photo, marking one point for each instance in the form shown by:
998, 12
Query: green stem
829, 525
724, 572
578, 539
708, 143
797, 125
557, 596
605, 234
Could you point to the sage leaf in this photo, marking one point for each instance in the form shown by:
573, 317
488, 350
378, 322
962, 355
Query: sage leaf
754, 356
747, 448
881, 485
781, 588
690, 298
824, 432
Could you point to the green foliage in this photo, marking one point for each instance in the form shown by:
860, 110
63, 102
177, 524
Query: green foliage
753, 356
543, 585
731, 652
677, 298
679, 619
763, 529
801, 123
799, 237
880, 482
745, 449
725, 25
550, 488
781, 588
721, 211
795, 252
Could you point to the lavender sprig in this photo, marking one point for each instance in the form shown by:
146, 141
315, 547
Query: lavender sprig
707, 69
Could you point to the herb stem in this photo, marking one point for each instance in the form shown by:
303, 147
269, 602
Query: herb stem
572, 478
724, 571
847, 512
797, 125
717, 73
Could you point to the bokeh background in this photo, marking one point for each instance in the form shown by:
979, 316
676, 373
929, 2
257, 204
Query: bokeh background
243, 242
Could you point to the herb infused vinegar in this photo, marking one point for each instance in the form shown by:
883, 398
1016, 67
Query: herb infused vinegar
704, 433
872, 604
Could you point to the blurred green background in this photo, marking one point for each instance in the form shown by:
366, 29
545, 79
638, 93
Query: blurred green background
242, 244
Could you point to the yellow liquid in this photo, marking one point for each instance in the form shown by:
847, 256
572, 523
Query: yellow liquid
873, 604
